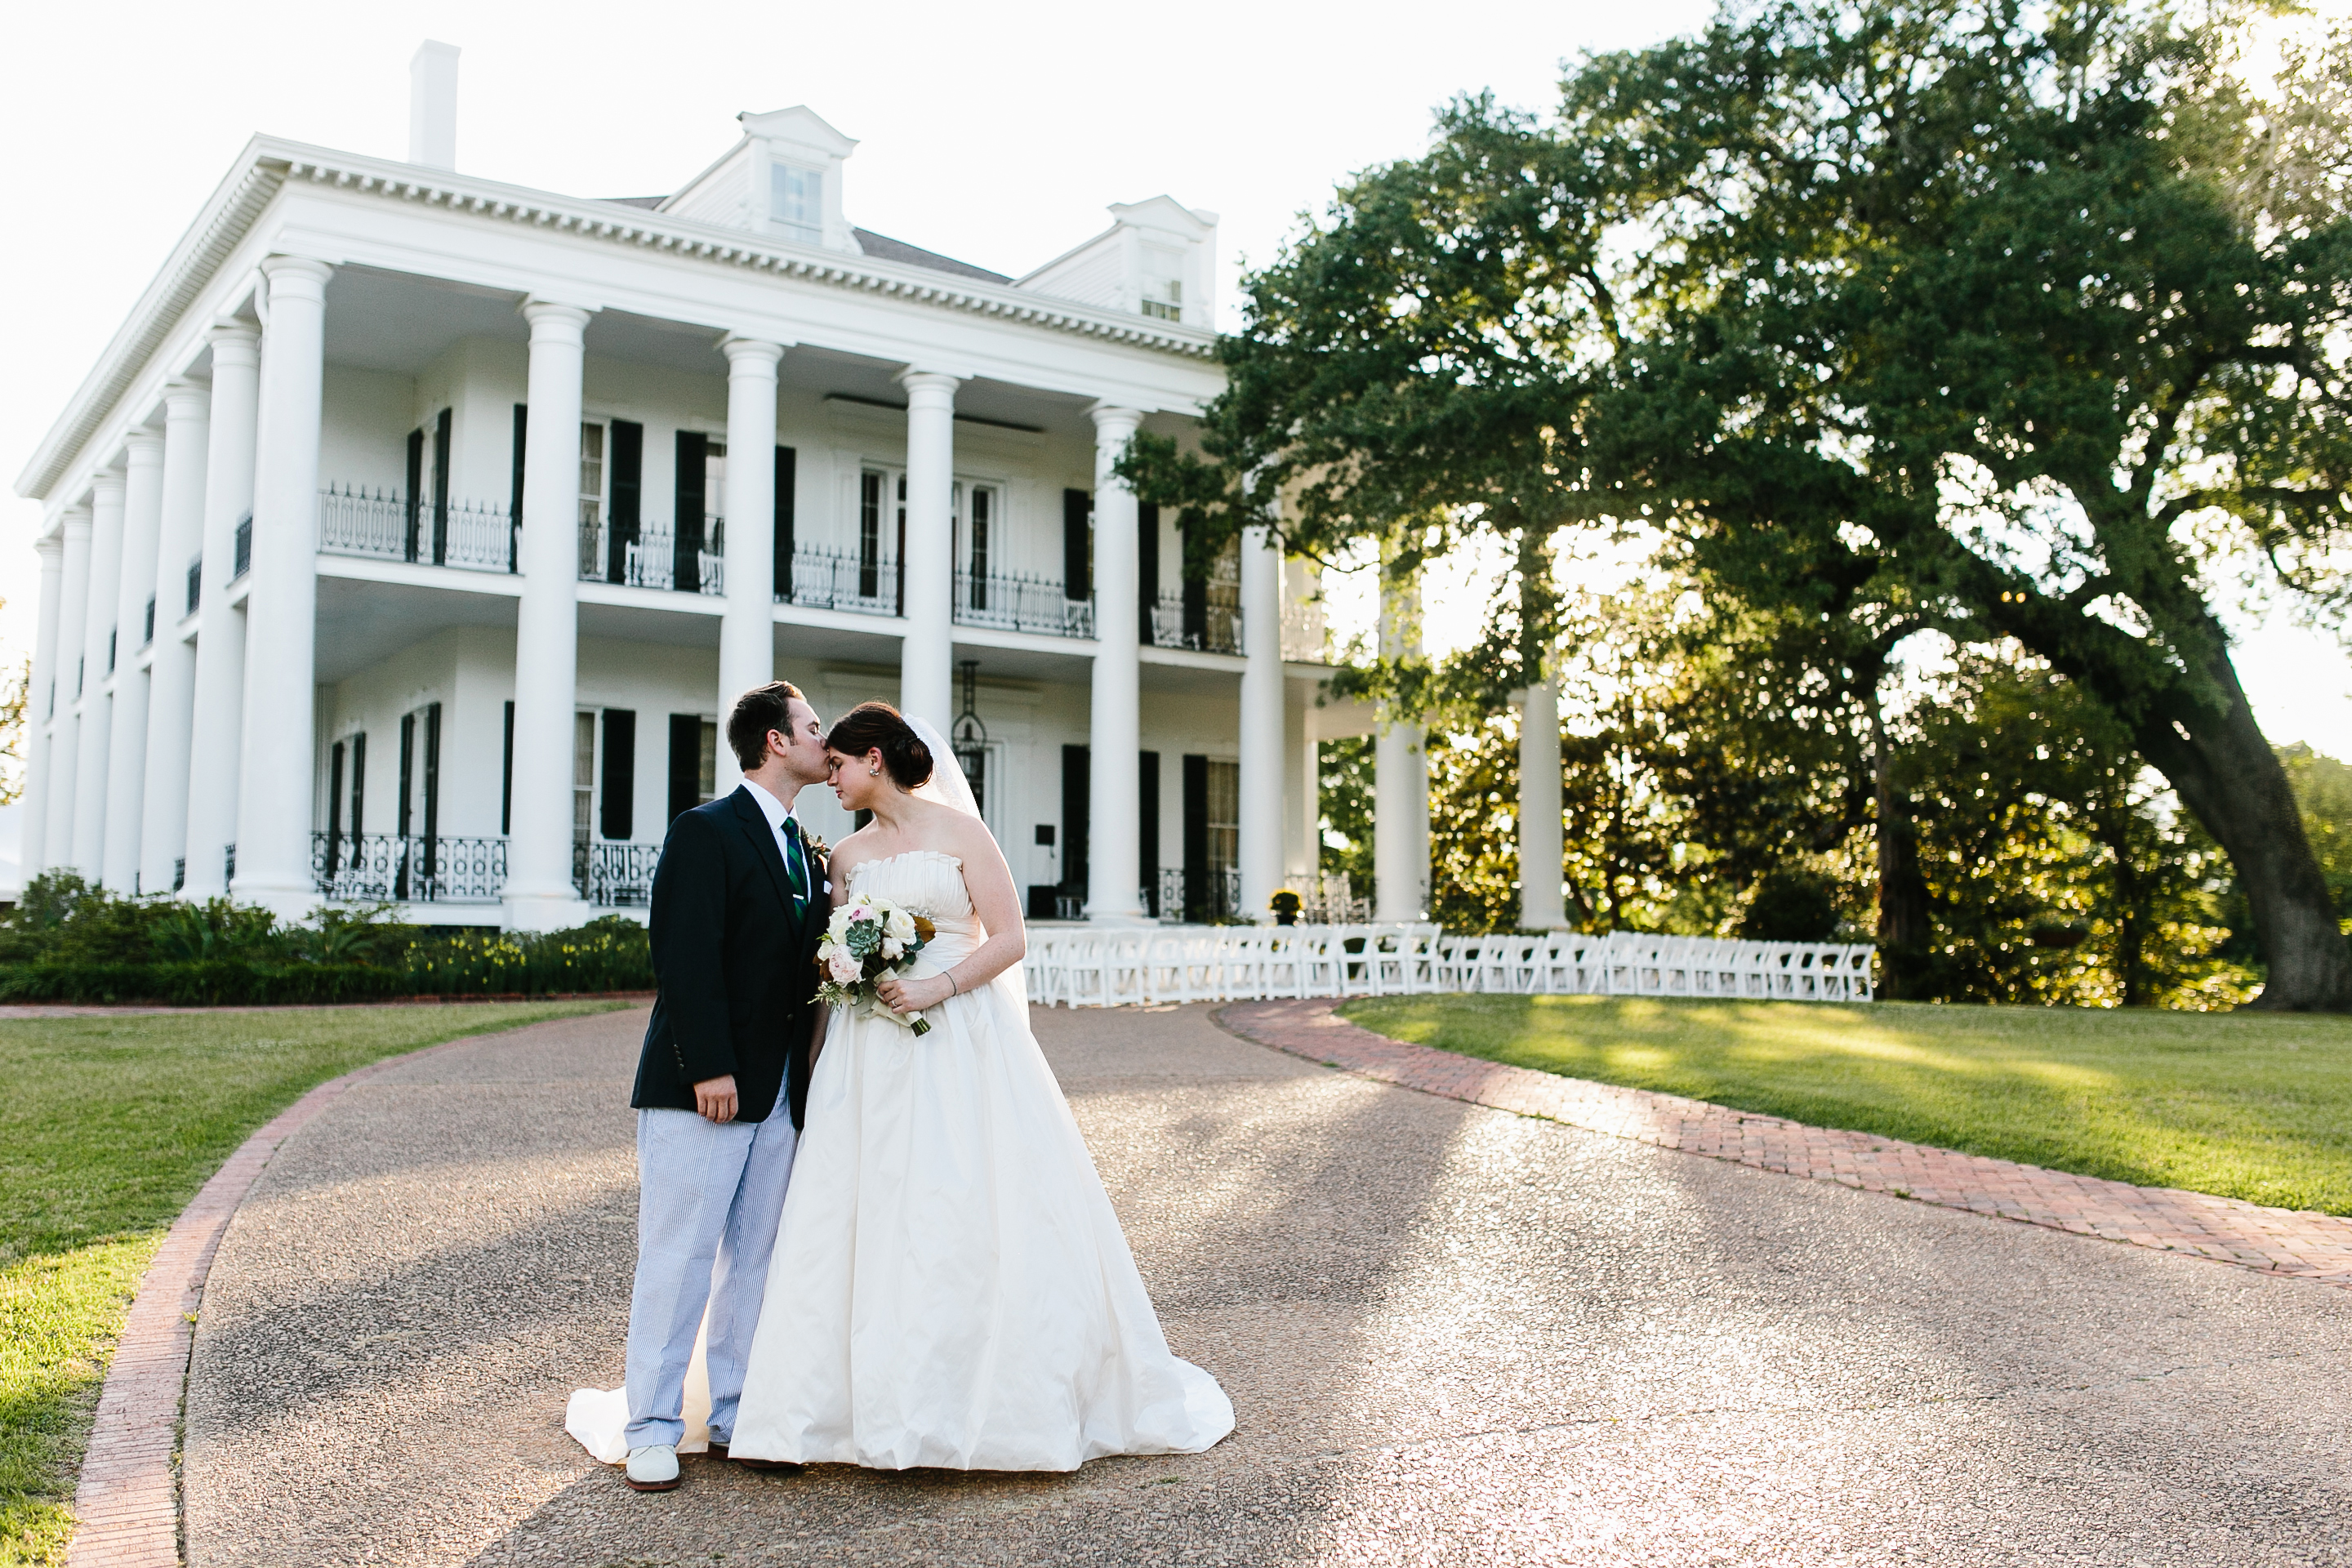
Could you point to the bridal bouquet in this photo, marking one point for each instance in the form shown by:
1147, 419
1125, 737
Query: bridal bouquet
866, 939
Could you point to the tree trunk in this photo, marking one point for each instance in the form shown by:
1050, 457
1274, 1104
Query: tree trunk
2216, 758
1905, 934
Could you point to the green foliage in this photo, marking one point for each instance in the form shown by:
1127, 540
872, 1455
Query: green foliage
70, 941
1791, 903
2322, 789
1344, 795
1474, 804
609, 954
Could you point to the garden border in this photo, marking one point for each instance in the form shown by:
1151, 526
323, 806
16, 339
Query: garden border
2299, 1244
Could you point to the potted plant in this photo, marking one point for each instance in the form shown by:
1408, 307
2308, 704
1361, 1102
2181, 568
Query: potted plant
1285, 905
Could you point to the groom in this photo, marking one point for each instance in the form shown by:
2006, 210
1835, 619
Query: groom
738, 902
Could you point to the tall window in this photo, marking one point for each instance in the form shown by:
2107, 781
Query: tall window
1163, 285
591, 498
706, 779
1225, 816
583, 775
796, 202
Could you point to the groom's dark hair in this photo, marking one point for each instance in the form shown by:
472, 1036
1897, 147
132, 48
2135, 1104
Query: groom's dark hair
757, 712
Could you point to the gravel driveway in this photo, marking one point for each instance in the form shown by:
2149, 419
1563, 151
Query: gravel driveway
1451, 1335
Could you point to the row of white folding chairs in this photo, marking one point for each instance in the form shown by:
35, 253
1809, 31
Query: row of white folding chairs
1119, 965
1632, 964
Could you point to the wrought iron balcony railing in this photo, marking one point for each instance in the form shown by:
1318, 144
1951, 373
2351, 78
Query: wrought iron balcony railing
1305, 636
1205, 618
196, 582
1016, 603
615, 875
387, 526
408, 868
843, 580
1198, 897
244, 563
651, 555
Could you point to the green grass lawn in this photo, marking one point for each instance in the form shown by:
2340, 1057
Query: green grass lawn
2246, 1105
108, 1127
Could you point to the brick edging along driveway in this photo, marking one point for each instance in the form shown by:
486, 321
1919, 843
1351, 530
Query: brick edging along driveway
2297, 1243
126, 1506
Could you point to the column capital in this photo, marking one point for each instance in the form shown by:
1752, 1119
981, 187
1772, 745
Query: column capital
1112, 421
298, 275
751, 353
186, 400
106, 488
928, 388
76, 521
51, 549
234, 341
143, 447
553, 318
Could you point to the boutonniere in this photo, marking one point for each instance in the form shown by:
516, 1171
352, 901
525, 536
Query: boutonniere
815, 847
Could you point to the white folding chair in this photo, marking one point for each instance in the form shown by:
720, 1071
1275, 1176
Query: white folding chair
1085, 970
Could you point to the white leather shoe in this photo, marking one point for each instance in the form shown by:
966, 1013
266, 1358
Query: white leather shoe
653, 1468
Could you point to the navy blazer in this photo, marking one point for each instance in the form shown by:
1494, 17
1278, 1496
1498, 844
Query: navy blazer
735, 963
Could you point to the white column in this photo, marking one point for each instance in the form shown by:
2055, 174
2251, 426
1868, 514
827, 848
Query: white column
927, 657
65, 744
1541, 905
1401, 771
1115, 730
275, 777
99, 640
126, 768
540, 894
40, 708
1261, 737
215, 737
172, 677
746, 631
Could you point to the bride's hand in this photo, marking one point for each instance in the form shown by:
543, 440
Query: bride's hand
901, 995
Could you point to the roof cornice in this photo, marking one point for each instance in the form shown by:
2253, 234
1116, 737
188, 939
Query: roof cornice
269, 164
219, 228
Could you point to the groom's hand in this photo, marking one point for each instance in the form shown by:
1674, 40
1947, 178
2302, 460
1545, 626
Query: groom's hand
715, 1098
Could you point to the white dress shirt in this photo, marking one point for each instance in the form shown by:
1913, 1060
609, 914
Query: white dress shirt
776, 811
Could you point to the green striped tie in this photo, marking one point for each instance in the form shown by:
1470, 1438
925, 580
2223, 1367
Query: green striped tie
795, 870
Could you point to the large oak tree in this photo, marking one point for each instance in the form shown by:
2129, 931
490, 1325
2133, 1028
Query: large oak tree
2025, 319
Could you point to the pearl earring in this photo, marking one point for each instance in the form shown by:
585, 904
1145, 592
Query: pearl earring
873, 773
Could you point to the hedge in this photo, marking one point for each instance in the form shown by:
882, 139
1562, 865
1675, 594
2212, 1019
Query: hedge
212, 983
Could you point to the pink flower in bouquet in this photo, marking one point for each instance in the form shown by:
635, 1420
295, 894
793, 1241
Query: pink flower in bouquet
842, 966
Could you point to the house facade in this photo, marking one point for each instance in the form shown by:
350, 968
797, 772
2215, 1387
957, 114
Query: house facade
416, 531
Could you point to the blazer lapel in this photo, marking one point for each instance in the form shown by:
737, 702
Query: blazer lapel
754, 822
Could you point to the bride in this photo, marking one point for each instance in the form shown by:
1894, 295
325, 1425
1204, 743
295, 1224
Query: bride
950, 1286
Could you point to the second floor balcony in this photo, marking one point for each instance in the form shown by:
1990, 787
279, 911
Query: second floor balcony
384, 525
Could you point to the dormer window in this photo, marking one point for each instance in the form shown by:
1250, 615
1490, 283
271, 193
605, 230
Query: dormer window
796, 202
1164, 284
1170, 305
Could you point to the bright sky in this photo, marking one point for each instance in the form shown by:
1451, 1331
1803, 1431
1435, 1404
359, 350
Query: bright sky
994, 134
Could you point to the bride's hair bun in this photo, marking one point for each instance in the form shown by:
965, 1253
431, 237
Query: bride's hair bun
877, 726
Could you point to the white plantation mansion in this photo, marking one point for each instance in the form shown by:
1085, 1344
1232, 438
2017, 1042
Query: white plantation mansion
412, 536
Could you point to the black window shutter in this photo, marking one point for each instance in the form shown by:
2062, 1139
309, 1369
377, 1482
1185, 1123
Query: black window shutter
685, 763
1197, 900
407, 772
1077, 781
432, 770
412, 503
1147, 567
335, 792
1077, 514
506, 779
514, 502
787, 466
693, 451
359, 780
441, 426
620, 806
627, 480
1147, 838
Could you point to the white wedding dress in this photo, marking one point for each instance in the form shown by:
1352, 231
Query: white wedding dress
950, 1287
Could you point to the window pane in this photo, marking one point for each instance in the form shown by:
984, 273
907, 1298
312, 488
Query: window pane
707, 781
583, 771
797, 201
1224, 814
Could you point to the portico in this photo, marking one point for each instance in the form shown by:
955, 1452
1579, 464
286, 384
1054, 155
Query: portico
421, 549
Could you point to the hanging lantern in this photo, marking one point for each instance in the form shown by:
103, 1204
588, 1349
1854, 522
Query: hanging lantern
969, 737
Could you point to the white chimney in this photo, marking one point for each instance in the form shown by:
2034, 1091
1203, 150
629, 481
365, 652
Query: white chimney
433, 106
